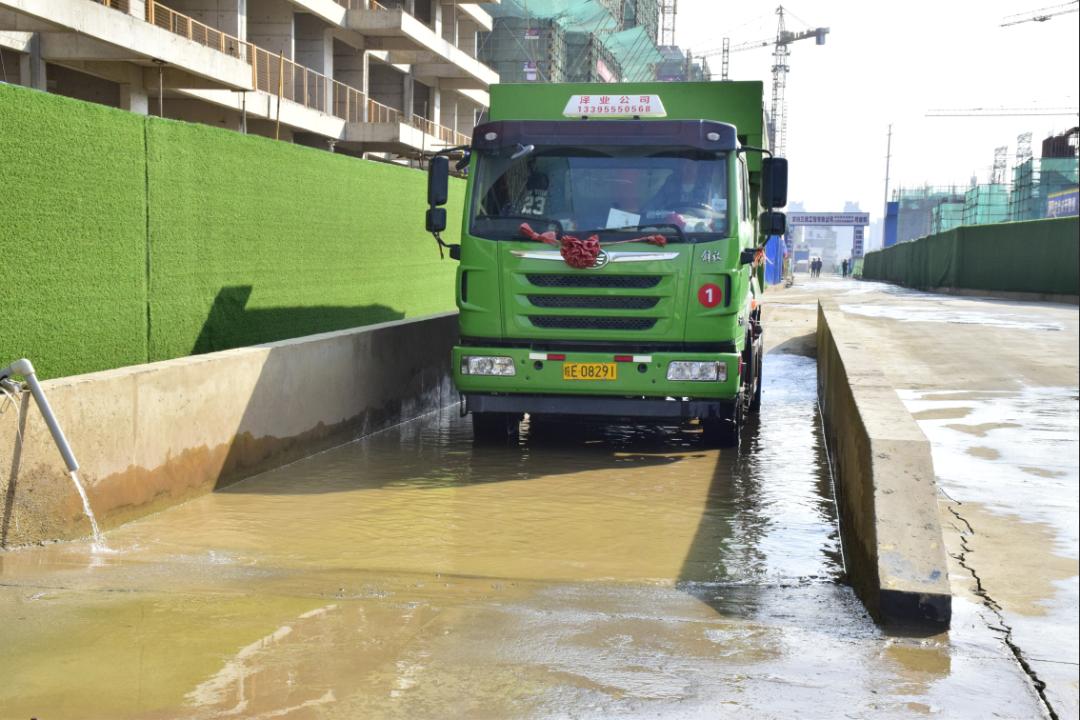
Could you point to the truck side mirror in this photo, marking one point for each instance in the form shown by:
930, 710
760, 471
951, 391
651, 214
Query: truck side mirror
438, 185
774, 182
772, 223
435, 220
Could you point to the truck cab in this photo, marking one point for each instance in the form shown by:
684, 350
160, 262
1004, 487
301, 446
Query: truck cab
662, 322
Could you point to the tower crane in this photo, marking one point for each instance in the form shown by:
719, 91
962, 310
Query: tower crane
1042, 14
1002, 111
780, 68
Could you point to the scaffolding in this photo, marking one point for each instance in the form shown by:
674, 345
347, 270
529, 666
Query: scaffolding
1035, 180
986, 204
916, 208
946, 216
589, 60
526, 50
579, 41
1037, 185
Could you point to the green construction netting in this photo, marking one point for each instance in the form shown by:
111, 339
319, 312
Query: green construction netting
637, 54
633, 49
583, 16
986, 204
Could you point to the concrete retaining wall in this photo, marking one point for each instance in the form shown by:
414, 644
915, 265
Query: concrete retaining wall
887, 496
153, 435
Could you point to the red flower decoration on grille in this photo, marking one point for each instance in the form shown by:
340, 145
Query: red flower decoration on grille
582, 254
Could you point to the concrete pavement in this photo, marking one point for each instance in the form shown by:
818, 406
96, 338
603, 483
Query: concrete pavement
994, 385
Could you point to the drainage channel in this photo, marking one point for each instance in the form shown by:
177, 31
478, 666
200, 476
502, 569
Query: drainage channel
586, 571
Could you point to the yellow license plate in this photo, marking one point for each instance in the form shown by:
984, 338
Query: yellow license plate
590, 371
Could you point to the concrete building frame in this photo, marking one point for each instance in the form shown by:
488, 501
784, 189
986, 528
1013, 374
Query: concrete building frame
391, 79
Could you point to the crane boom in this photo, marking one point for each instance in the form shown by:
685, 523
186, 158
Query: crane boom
780, 43
1001, 112
778, 107
1041, 14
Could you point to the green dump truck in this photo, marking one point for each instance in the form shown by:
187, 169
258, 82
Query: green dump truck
609, 262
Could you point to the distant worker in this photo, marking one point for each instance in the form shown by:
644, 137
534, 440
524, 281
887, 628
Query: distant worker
844, 268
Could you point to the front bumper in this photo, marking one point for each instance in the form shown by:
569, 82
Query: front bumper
644, 378
602, 407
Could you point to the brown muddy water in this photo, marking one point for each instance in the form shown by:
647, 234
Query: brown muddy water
585, 572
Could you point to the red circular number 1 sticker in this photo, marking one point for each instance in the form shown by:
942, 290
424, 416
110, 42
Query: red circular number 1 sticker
710, 295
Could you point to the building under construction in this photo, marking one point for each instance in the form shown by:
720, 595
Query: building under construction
585, 41
1040, 187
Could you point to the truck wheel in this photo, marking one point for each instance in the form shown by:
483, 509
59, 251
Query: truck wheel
494, 427
758, 365
725, 432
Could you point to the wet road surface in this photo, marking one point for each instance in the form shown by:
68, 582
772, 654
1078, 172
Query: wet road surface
585, 572
994, 386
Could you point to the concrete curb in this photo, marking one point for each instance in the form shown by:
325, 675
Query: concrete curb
886, 492
151, 436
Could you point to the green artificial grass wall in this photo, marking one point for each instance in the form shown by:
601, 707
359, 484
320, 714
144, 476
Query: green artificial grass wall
72, 233
254, 240
130, 239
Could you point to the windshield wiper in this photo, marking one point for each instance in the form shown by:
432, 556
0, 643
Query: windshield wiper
531, 219
678, 230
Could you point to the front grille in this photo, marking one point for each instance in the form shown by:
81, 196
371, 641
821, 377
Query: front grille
551, 322
595, 281
593, 302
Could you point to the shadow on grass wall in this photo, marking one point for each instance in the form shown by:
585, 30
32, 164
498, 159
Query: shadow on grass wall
232, 324
134, 237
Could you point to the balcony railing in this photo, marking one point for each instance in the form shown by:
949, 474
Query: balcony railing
121, 5
360, 4
277, 75
447, 135
273, 74
379, 113
174, 22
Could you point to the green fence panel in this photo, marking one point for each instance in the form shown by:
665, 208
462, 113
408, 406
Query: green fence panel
1036, 256
72, 233
942, 260
253, 240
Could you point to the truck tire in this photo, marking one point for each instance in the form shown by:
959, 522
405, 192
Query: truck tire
757, 363
725, 432
494, 427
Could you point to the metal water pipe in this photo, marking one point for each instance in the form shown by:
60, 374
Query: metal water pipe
25, 369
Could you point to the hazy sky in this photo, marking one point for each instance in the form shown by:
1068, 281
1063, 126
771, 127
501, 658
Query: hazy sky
889, 63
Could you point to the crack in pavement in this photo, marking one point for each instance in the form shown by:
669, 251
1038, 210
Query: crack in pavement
1002, 627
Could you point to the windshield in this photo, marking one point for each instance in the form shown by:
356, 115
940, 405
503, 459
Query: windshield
682, 193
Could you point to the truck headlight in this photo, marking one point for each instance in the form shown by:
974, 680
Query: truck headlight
487, 365
694, 371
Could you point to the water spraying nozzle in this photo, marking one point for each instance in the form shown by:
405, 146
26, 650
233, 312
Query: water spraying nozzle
25, 369
19, 367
